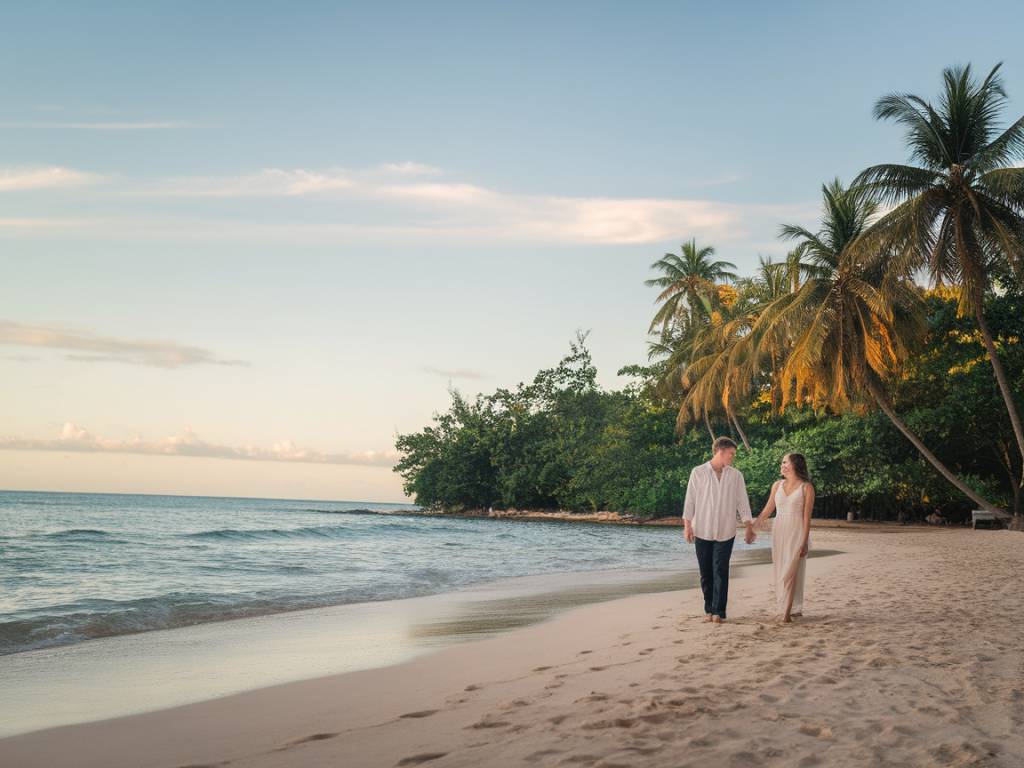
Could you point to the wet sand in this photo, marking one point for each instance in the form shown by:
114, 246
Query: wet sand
160, 669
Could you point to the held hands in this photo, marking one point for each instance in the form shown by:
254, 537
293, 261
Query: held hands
749, 536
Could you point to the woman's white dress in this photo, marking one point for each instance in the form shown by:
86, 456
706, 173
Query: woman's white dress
787, 541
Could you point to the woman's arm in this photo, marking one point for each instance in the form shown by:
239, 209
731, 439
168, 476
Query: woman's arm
769, 507
808, 508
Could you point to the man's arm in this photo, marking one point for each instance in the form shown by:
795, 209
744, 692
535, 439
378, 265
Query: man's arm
743, 507
689, 507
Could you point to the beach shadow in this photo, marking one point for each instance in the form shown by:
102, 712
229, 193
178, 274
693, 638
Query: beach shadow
484, 617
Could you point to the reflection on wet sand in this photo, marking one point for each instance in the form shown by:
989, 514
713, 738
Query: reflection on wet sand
500, 612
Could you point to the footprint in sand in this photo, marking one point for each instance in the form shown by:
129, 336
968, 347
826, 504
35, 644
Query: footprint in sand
542, 753
702, 742
424, 757
307, 739
540, 669
421, 713
817, 731
581, 653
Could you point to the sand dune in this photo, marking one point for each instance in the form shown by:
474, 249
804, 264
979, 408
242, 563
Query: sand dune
910, 654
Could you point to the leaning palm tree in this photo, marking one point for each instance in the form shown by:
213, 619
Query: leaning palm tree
959, 210
687, 281
853, 320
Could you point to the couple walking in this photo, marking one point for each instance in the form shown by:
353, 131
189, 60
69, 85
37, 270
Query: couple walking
715, 493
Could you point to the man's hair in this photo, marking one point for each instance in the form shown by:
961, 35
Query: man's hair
721, 443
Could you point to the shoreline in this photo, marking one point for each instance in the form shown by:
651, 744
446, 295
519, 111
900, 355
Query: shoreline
617, 518
286, 646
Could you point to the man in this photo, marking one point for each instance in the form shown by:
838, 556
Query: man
715, 493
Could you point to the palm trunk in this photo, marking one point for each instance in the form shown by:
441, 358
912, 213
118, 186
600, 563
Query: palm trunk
739, 429
883, 403
774, 389
997, 368
707, 423
1015, 488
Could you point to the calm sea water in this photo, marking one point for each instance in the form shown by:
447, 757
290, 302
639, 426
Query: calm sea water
80, 566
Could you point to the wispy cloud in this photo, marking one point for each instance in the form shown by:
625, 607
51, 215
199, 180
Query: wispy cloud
271, 182
124, 125
20, 179
402, 201
453, 373
455, 209
75, 438
409, 168
83, 346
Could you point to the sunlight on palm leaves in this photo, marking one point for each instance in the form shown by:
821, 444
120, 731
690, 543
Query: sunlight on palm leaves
959, 213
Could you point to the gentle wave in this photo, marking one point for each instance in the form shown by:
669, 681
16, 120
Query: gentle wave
325, 531
97, 565
107, 618
93, 619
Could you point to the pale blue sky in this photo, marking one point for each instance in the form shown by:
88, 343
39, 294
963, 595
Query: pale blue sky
363, 202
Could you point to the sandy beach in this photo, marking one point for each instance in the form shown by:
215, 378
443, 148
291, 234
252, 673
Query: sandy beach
910, 654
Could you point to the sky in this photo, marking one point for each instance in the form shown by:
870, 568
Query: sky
243, 245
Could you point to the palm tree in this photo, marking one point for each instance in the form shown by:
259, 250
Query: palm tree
723, 369
853, 319
687, 281
959, 211
772, 281
715, 377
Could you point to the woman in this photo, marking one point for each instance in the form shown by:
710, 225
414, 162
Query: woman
792, 498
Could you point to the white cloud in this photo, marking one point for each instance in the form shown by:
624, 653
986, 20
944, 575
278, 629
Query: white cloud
272, 182
409, 168
83, 346
127, 125
17, 180
395, 202
78, 439
453, 373
461, 210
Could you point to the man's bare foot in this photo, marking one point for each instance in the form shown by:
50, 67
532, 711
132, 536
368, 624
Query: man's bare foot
707, 617
717, 619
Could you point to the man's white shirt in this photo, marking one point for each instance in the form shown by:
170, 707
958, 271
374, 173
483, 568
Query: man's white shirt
712, 503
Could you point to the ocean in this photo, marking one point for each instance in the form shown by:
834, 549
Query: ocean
78, 566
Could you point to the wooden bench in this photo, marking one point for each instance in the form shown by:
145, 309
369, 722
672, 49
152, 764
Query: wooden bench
983, 516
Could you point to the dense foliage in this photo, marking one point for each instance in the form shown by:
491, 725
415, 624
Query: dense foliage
562, 442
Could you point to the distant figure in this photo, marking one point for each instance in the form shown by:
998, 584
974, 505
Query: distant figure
792, 499
715, 493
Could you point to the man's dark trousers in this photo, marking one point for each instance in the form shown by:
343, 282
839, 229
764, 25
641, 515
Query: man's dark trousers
713, 559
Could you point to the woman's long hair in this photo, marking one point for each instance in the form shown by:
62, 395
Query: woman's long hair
799, 464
